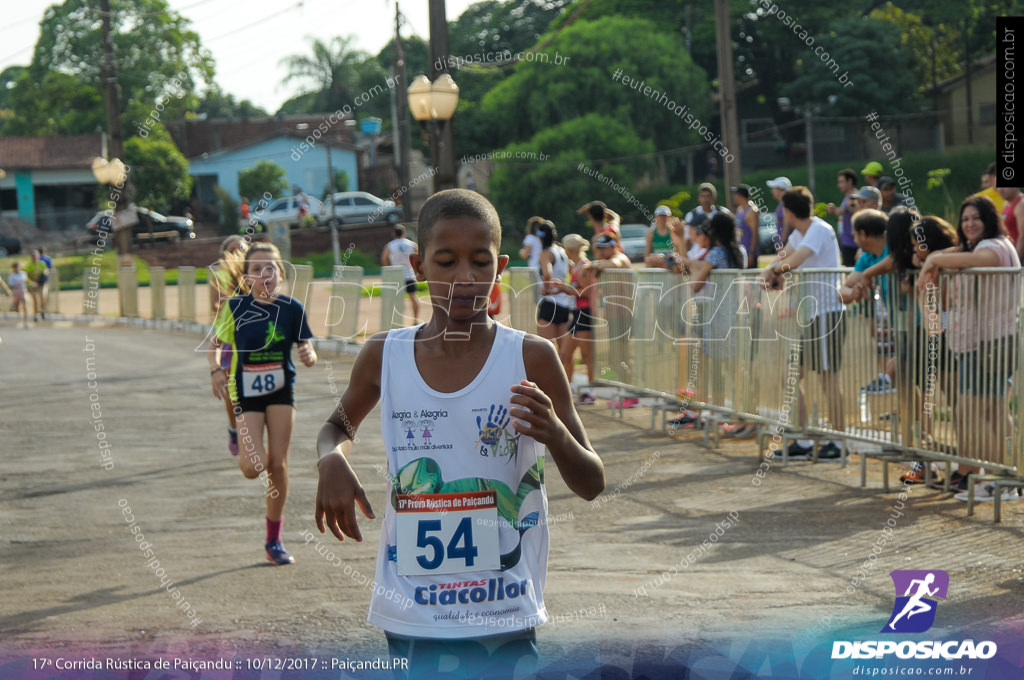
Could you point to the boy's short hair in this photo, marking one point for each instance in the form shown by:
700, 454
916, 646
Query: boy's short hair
849, 173
399, 231
452, 203
871, 222
798, 201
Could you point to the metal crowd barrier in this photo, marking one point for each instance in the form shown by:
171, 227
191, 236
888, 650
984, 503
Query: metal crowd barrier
343, 307
523, 287
392, 298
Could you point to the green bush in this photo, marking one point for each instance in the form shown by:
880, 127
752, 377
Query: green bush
229, 215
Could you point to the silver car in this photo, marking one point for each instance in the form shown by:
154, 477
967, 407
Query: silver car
286, 209
634, 240
360, 206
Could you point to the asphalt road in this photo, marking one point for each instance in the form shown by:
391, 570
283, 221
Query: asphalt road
794, 563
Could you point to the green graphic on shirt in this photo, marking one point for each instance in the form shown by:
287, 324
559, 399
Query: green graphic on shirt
423, 476
272, 335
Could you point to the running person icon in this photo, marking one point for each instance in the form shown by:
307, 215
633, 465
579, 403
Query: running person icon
914, 604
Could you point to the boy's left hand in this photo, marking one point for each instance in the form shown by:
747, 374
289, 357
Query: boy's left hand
306, 353
535, 416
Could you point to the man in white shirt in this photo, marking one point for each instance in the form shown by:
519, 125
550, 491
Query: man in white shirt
396, 253
813, 244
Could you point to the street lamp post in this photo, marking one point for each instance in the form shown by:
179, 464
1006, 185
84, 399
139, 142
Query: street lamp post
434, 104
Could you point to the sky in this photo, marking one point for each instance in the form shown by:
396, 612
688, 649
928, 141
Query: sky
248, 46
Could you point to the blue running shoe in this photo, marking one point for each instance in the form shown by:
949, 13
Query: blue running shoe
277, 554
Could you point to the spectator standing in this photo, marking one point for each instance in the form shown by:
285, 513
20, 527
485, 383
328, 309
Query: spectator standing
531, 244
989, 189
581, 327
871, 173
17, 282
846, 181
813, 244
891, 199
982, 330
747, 221
869, 198
557, 300
38, 282
661, 239
1013, 216
779, 186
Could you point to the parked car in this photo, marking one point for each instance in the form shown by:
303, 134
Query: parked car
9, 246
634, 240
766, 234
286, 209
165, 227
360, 206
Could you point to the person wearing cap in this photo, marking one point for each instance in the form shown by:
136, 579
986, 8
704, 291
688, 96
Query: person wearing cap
890, 198
608, 254
779, 186
747, 220
872, 172
661, 239
868, 198
813, 244
846, 181
581, 325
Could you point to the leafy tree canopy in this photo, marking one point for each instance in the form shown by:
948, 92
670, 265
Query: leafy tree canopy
265, 176
542, 95
159, 172
556, 186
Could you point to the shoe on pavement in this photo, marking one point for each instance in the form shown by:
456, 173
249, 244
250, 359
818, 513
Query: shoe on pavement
277, 554
915, 475
794, 451
985, 492
686, 422
628, 402
587, 398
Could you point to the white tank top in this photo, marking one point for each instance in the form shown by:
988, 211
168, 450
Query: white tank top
464, 544
399, 250
560, 272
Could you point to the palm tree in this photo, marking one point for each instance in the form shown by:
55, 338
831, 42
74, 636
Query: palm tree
331, 71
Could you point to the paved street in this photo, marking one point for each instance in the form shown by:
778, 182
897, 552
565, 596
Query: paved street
782, 557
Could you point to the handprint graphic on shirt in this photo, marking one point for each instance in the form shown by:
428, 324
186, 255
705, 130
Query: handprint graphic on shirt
490, 433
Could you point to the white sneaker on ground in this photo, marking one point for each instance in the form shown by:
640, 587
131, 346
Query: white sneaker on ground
985, 493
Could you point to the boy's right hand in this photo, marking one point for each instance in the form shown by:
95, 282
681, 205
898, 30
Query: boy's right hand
337, 492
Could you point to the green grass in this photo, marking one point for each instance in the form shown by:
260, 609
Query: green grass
71, 268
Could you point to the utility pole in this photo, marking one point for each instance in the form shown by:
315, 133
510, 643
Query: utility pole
443, 143
334, 212
810, 148
111, 94
402, 121
727, 96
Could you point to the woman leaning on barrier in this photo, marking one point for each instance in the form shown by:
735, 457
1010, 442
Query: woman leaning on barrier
982, 312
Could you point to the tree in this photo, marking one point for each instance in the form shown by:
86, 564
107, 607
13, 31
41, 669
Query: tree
871, 51
218, 104
265, 176
56, 104
575, 74
157, 54
158, 170
331, 72
556, 186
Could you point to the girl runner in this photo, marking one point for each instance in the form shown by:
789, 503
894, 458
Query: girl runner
261, 327
225, 282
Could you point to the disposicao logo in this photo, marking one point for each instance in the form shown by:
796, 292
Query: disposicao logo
916, 590
917, 595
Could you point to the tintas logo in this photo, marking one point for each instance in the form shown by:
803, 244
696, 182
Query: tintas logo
916, 594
